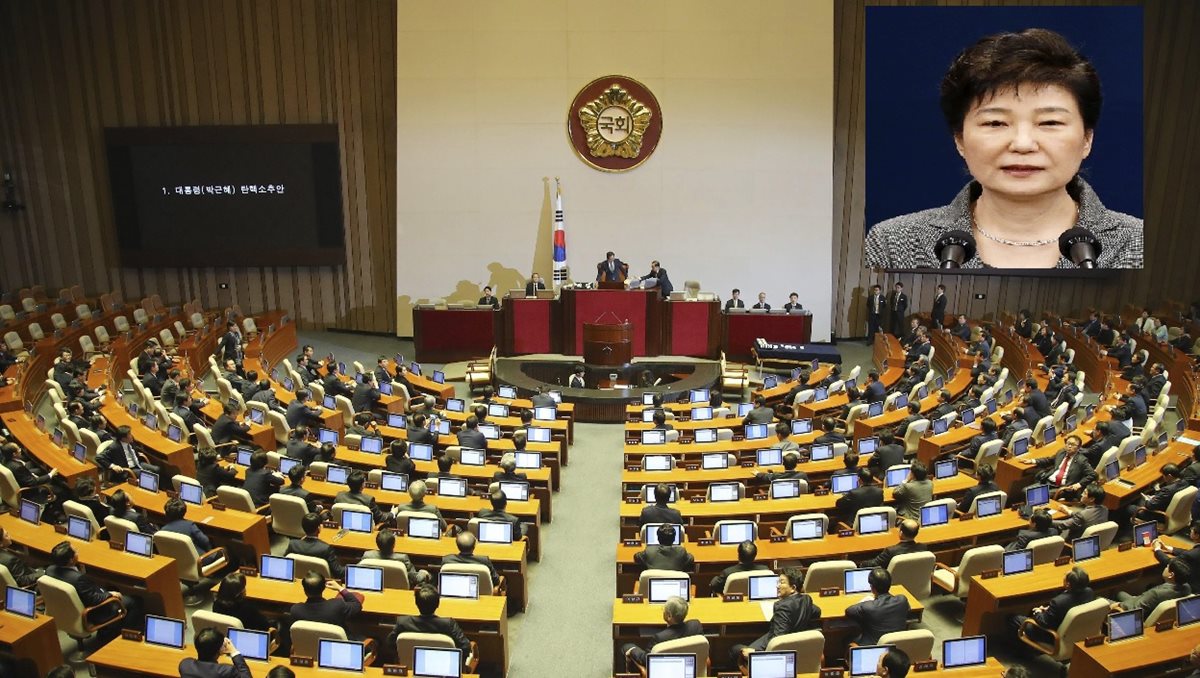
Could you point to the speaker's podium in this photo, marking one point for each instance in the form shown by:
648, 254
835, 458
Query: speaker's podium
608, 344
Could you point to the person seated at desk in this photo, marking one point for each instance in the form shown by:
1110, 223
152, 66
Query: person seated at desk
1068, 472
210, 474
675, 611
800, 384
185, 409
881, 612
659, 274
488, 299
1122, 351
747, 553
659, 512
762, 304
1013, 422
660, 421
611, 269
312, 545
308, 370
210, 645
120, 506
385, 549
962, 329
1155, 381
46, 486
94, 422
261, 482
888, 454
333, 384
353, 494
534, 285
1175, 585
444, 463
868, 494
913, 493
151, 381
1041, 525
908, 543
227, 428
1137, 368
416, 432
250, 386
339, 610
63, 370
914, 374
1135, 404
465, 541
416, 492
791, 459
920, 350
175, 511
65, 567
1164, 553
366, 397
427, 599
735, 300
470, 436
831, 435
793, 304
363, 424
1151, 507
914, 414
1062, 390
298, 446
1091, 512
944, 405
169, 393
85, 493
986, 477
576, 379
783, 432
17, 564
231, 600
508, 468
665, 555
300, 412
266, 395
793, 612
397, 460
497, 513
1077, 590
760, 414
296, 489
234, 374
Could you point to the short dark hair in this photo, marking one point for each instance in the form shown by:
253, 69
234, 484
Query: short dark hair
208, 642
258, 460
385, 540
896, 662
427, 599
919, 470
118, 502
782, 429
355, 480
747, 552
313, 583
880, 580
1180, 568
1078, 579
1096, 492
666, 534
662, 493
310, 523
1041, 520
795, 576
296, 474
62, 553
175, 509
398, 448
985, 474
499, 500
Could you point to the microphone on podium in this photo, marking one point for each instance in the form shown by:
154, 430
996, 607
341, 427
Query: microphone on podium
954, 248
1080, 246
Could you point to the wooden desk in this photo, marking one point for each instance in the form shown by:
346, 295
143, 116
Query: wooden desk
869, 426
43, 449
781, 389
447, 335
32, 642
742, 329
154, 579
992, 669
554, 452
1153, 654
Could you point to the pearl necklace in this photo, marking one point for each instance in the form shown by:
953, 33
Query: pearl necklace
1014, 243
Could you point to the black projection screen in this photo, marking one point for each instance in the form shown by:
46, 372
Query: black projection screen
227, 195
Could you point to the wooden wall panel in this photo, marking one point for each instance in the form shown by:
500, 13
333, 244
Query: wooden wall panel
1172, 171
74, 67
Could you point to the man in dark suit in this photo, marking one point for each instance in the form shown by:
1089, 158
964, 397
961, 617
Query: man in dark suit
907, 544
210, 645
28, 475
1135, 404
366, 396
534, 285
488, 299
899, 305
417, 432
227, 428
333, 384
122, 457
1175, 584
665, 555
470, 436
1040, 526
1122, 352
1035, 400
1091, 326
1191, 471
465, 541
298, 446
1153, 506
261, 482
875, 392
921, 348
1077, 590
296, 489
830, 435
868, 494
17, 565
308, 368
508, 464
882, 612
300, 412
674, 612
791, 459
659, 512
986, 476
186, 410
416, 493
876, 306
311, 545
576, 379
939, 307
762, 304
175, 512
1068, 472
151, 381
339, 610
266, 395
65, 568
427, 599
888, 454
383, 375
543, 398
761, 414
987, 434
793, 304
498, 513
611, 269
660, 274
1165, 554
793, 612
1155, 382
231, 343
735, 300
353, 494
747, 553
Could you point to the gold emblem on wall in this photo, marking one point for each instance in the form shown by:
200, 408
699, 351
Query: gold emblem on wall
614, 123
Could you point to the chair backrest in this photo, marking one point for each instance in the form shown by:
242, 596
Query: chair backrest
63, 604
395, 576
205, 619
118, 528
305, 564
29, 304
10, 491
13, 341
86, 345
826, 574
1179, 511
1080, 622
1040, 427
74, 508
59, 322
204, 439
180, 330
306, 634
998, 493
287, 512
197, 321
140, 316
917, 643
6, 577
1106, 530
346, 407
989, 453
697, 645
485, 576
912, 437
1164, 611
1046, 549
121, 323
279, 424
739, 582
808, 646
6, 313
855, 413
235, 498
181, 548
913, 571
409, 641
35, 332
974, 561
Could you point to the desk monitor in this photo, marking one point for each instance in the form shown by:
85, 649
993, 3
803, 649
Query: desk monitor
816, 364
922, 392
40, 420
272, 567
456, 405
820, 393
1122, 625
937, 514
670, 666
439, 377
705, 435
442, 428
341, 368
148, 481
763, 587
256, 416
420, 451
415, 368
864, 659
991, 405
79, 451
1037, 495
538, 434
896, 475
967, 651
31, 512
437, 662
1049, 434
796, 372
850, 383
650, 534
327, 436
371, 445
901, 402
1145, 533
939, 383
1179, 425
967, 416
555, 395
343, 655
515, 490
780, 664
940, 426
363, 577
769, 456
1085, 548
662, 588
648, 398
79, 528
330, 404
875, 409
658, 462
1020, 446
735, 532
286, 464
1112, 470
288, 384
946, 468
714, 460
20, 602
718, 492
452, 487
57, 434
528, 460
698, 395
841, 483
1016, 562
1187, 610
252, 644
164, 631
393, 482
770, 381
988, 506
654, 437
822, 452
702, 413
855, 580
868, 445
648, 415
744, 408
873, 523
648, 494
1072, 423
497, 410
356, 521
756, 431
545, 413
1161, 442
139, 543
1139, 455
396, 420
337, 474
458, 585
243, 456
801, 426
786, 488
495, 532
472, 457
424, 528
807, 528
506, 391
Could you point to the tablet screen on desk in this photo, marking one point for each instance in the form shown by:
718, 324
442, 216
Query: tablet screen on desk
80, 528
842, 483
356, 521
650, 534
756, 431
545, 413
452, 487
339, 654
515, 490
716, 460
706, 435
654, 437
648, 415
1145, 533
1085, 548
538, 434
497, 410
864, 659
31, 512
648, 398
437, 662
507, 391
364, 578
698, 395
164, 631
735, 532
174, 433
718, 492
191, 493
868, 445
396, 420
1112, 470
425, 528
938, 514
875, 409
822, 452
394, 482
330, 404
252, 644
658, 462
139, 543
20, 601
807, 528
256, 416
771, 456
528, 459
770, 381
371, 445
148, 481
337, 474
967, 416
420, 451
662, 588
456, 405
785, 489
872, 523
763, 587
772, 664
648, 494
1020, 446
495, 532
896, 475
280, 569
458, 585
968, 651
702, 413
946, 468
744, 408
801, 426
855, 580
1122, 625
80, 452
327, 436
1016, 562
1188, 610
988, 506
940, 426
1037, 495
470, 456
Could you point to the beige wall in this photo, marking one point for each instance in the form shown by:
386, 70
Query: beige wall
737, 194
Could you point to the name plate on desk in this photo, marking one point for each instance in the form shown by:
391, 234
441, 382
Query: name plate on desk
132, 634
116, 546
821, 492
297, 660
216, 505
845, 533
732, 598
1093, 641
830, 592
374, 486
966, 516
691, 467
989, 574
633, 500
61, 529
1164, 626
925, 665
778, 538
633, 599
330, 524
249, 571
631, 542
395, 670
1062, 560
831, 673
698, 500
706, 542
633, 469
761, 497
1124, 546
748, 464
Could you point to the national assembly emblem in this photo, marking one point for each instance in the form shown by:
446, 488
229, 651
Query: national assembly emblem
614, 123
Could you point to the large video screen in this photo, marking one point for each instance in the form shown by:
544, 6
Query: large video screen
266, 195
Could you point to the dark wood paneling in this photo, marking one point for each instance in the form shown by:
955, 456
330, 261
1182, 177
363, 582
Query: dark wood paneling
1172, 140
72, 68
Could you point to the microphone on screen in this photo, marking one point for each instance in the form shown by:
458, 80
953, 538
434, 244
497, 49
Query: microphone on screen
1080, 246
954, 248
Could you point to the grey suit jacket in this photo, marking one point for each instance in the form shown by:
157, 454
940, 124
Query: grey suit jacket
1155, 595
1082, 519
909, 497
